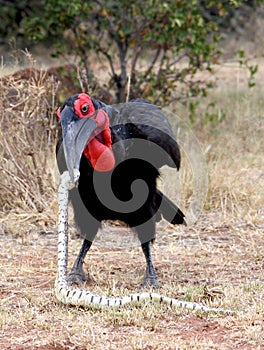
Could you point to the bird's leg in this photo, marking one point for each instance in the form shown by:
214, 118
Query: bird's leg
150, 278
77, 274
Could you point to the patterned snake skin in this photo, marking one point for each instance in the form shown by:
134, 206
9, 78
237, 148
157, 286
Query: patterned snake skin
79, 297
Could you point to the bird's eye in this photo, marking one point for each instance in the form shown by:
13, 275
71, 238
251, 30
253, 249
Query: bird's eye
85, 108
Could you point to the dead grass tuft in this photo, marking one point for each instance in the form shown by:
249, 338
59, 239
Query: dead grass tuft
235, 161
27, 138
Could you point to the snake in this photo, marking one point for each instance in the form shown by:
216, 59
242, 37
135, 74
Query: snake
71, 295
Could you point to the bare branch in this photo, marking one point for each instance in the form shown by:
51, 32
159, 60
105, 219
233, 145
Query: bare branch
152, 63
137, 54
161, 62
110, 60
178, 59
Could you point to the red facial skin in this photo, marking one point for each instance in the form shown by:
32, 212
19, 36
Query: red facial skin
83, 99
99, 147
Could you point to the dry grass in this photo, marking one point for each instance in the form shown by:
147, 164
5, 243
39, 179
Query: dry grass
218, 261
27, 139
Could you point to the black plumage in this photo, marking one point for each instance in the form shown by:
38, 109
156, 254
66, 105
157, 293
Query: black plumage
142, 142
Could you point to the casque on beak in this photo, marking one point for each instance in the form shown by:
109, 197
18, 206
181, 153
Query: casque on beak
76, 133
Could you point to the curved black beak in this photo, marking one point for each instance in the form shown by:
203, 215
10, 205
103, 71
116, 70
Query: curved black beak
76, 134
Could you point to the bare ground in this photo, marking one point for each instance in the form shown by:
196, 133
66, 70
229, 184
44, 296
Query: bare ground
217, 265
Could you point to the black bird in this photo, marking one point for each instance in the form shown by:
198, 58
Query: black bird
118, 151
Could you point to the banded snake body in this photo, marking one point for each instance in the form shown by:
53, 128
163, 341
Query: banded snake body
73, 296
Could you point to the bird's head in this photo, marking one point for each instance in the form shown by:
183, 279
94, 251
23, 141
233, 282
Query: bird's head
85, 130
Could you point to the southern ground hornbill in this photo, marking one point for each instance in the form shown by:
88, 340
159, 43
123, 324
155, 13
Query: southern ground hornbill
118, 151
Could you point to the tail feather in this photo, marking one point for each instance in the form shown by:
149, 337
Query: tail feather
169, 210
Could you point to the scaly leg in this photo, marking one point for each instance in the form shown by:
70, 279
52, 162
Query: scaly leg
150, 278
77, 274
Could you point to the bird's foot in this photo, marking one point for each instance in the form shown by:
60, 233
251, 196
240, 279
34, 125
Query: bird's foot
78, 277
150, 280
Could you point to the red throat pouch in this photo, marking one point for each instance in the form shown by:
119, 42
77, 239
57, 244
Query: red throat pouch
99, 149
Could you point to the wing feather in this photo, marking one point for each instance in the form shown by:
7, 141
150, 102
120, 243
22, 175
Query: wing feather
144, 120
